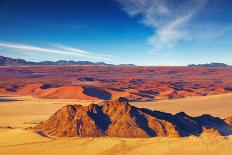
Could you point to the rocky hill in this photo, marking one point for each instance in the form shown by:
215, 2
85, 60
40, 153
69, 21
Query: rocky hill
119, 119
7, 61
214, 64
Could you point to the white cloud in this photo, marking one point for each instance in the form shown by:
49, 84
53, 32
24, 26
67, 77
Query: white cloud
166, 18
66, 48
60, 49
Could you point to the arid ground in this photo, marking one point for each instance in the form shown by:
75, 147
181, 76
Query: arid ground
17, 113
30, 95
110, 82
116, 77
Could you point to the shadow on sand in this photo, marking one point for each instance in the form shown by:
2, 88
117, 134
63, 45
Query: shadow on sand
7, 99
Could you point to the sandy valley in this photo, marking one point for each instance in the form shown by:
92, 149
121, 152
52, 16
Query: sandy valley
17, 113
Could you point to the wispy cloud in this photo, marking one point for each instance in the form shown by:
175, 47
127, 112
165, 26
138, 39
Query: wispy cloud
168, 19
58, 49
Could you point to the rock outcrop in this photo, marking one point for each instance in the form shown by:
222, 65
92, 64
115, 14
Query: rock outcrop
7, 61
119, 119
210, 133
229, 121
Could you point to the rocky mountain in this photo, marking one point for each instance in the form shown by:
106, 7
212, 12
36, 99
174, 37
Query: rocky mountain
119, 119
210, 65
229, 120
66, 63
7, 61
127, 65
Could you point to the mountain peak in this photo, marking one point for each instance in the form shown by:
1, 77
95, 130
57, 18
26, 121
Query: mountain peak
119, 119
7, 61
213, 64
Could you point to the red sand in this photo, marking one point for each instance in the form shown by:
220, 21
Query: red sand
109, 82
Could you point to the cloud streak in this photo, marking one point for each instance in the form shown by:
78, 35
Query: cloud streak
59, 49
168, 19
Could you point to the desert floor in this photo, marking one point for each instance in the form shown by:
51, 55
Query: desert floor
16, 113
215, 105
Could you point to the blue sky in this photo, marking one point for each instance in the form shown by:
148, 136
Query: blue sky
142, 32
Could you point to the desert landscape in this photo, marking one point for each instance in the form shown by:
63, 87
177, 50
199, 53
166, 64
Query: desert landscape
19, 113
192, 110
115, 77
110, 82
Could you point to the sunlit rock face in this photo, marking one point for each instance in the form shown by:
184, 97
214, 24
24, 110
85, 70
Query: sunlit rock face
118, 118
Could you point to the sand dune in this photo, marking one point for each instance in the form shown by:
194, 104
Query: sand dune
107, 82
216, 105
46, 91
23, 112
30, 143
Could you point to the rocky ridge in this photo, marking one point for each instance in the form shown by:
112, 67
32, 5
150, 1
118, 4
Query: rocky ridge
119, 119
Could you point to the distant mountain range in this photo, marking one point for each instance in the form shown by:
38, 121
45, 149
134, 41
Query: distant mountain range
7, 61
210, 65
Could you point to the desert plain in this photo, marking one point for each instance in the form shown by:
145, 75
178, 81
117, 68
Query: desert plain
31, 95
20, 112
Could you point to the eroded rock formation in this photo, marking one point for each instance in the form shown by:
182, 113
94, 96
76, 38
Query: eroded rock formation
119, 119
